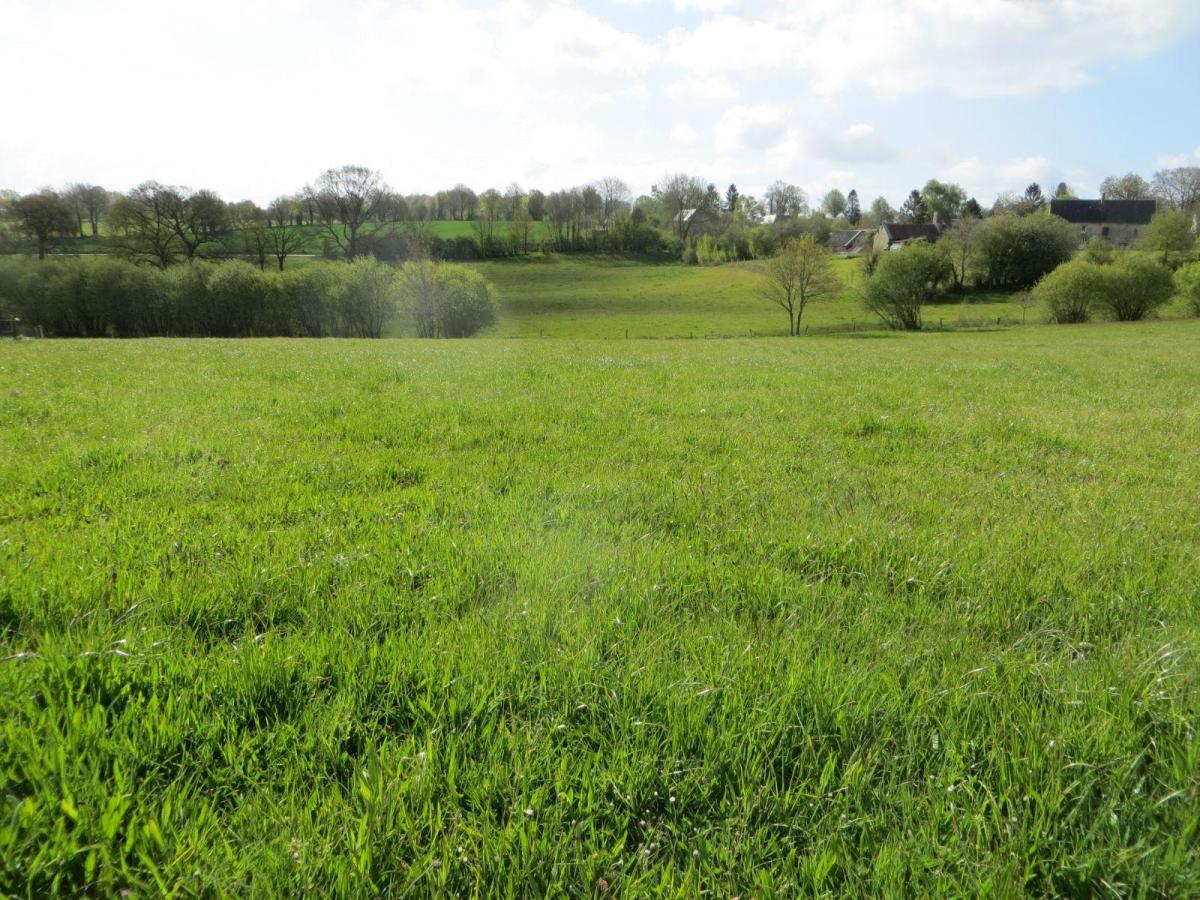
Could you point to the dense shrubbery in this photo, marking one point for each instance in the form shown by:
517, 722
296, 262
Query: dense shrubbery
1187, 280
445, 301
1127, 290
903, 281
1016, 251
110, 297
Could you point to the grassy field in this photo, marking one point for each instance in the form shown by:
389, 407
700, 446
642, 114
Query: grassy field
885, 615
579, 296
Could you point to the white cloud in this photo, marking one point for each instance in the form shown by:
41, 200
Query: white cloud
989, 179
683, 133
983, 48
858, 144
706, 6
762, 127
1176, 160
713, 89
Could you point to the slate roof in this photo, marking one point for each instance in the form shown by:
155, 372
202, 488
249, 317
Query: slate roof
844, 240
1105, 212
898, 231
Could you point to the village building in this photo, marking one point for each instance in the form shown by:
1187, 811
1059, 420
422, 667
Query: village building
1119, 221
850, 242
895, 235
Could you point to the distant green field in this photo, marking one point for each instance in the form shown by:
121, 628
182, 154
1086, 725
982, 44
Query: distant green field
878, 615
581, 296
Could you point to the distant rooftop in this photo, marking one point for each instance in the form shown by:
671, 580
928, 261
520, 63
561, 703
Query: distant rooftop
1105, 212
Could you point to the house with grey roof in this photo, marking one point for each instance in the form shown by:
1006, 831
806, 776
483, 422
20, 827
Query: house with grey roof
1118, 221
895, 235
850, 242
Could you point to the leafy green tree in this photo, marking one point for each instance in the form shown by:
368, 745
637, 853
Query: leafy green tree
1169, 233
972, 210
800, 274
834, 203
1034, 199
731, 199
881, 211
1016, 251
44, 217
903, 282
943, 200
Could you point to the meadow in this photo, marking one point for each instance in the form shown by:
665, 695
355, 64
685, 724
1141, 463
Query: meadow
870, 614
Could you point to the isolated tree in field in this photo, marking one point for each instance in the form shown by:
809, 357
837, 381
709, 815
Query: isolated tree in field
44, 217
1179, 188
881, 211
903, 282
834, 203
1169, 233
1126, 187
960, 243
853, 210
348, 198
914, 210
786, 200
802, 273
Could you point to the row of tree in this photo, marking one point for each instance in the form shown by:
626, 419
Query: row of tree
111, 297
351, 211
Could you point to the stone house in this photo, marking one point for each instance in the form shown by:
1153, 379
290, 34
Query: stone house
894, 235
1119, 221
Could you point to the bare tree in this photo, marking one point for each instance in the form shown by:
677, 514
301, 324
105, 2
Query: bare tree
616, 196
786, 200
349, 198
682, 198
141, 225
1128, 187
1179, 188
801, 274
488, 214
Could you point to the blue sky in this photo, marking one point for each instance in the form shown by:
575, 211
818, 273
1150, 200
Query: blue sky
254, 97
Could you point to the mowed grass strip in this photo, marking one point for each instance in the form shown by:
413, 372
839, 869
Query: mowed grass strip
900, 615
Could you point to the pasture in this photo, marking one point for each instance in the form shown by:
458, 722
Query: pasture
877, 614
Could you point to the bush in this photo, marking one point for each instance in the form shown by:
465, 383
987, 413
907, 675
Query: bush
1099, 251
1016, 252
445, 301
368, 298
1129, 289
1135, 287
1071, 291
1187, 280
903, 281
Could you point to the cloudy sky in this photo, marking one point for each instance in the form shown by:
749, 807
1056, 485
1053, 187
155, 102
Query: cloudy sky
254, 97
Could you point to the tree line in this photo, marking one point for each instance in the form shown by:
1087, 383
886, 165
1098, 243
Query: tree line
351, 211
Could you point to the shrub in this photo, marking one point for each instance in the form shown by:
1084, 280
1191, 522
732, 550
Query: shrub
444, 300
239, 297
1135, 287
1129, 289
368, 298
309, 294
1187, 280
1071, 291
903, 281
1016, 252
1099, 251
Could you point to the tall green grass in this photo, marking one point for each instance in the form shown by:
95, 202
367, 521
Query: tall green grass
908, 615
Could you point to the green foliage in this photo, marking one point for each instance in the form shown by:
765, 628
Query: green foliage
1071, 292
903, 281
444, 300
1099, 251
1187, 281
1129, 289
912, 616
1170, 233
1015, 252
